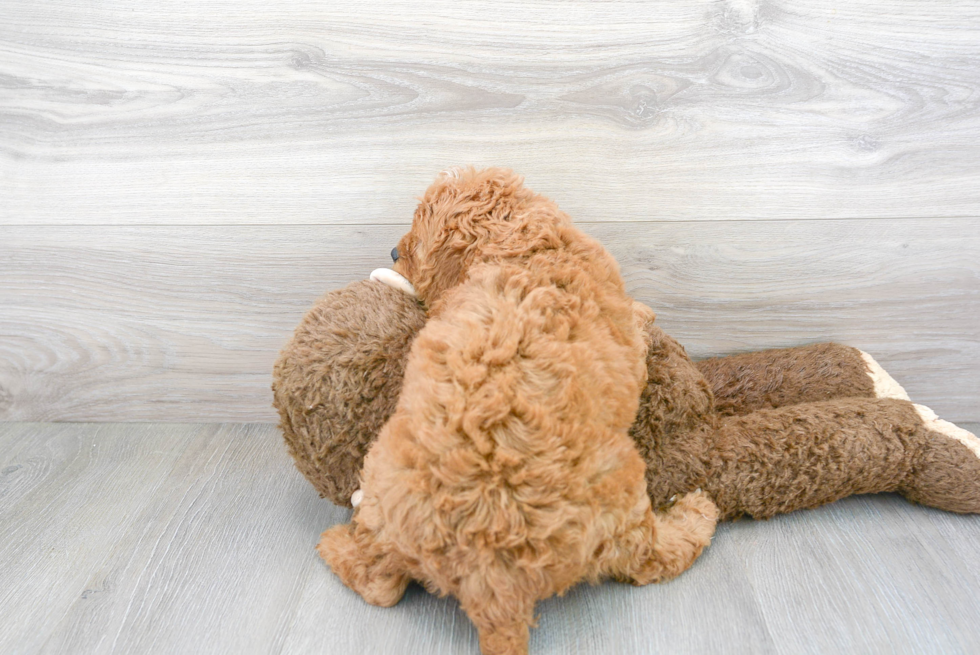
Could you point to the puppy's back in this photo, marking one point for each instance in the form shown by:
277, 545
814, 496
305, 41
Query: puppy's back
513, 414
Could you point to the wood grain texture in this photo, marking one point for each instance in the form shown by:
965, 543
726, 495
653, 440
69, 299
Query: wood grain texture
66, 499
184, 323
341, 112
199, 538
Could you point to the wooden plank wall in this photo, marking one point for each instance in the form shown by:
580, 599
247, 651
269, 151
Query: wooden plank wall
177, 184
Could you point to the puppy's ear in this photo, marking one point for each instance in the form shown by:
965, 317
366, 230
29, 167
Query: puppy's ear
477, 216
446, 262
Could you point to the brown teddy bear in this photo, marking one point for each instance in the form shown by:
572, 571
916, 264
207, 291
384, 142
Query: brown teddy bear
762, 433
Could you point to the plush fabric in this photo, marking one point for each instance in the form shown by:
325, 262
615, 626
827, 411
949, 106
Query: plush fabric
679, 429
786, 376
337, 381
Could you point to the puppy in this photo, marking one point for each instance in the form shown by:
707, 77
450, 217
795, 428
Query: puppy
506, 473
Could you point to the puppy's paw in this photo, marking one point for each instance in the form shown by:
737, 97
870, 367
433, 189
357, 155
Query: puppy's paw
336, 546
697, 513
363, 565
642, 314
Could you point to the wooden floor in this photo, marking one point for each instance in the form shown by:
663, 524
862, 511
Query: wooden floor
162, 538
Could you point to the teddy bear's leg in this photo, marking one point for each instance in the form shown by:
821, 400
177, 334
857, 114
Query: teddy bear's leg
774, 461
664, 544
776, 378
945, 466
378, 574
502, 609
779, 460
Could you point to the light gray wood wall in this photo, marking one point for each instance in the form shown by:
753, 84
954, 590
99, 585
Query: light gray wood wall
178, 183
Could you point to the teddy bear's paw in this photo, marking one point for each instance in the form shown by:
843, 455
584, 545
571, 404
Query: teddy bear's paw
946, 466
884, 384
947, 429
393, 279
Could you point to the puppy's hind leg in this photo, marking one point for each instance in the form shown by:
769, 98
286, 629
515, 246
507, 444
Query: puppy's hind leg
665, 544
378, 574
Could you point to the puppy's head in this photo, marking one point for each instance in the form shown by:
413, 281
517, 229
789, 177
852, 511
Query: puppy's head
469, 216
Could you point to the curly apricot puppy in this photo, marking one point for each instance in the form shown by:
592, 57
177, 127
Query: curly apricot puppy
506, 473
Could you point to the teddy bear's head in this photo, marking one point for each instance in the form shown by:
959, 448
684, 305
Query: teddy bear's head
338, 379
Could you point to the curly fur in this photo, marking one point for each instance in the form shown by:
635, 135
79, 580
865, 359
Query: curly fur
506, 473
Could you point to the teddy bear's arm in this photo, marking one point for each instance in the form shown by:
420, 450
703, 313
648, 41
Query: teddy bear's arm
776, 378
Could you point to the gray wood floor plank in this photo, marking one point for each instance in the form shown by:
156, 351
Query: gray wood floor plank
342, 112
812, 570
215, 566
83, 484
184, 323
199, 538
